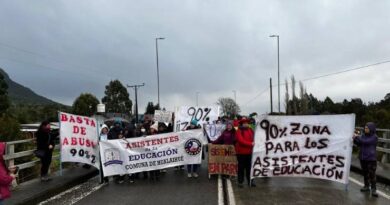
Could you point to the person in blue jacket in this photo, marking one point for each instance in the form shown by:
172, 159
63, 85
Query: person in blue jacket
367, 143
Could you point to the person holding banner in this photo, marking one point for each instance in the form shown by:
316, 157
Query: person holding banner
367, 143
103, 137
192, 169
45, 142
6, 175
244, 146
117, 133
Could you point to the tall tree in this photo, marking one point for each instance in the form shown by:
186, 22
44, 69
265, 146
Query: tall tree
4, 101
229, 106
85, 104
287, 100
117, 98
150, 108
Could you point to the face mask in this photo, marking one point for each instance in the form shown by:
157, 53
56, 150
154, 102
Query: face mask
142, 130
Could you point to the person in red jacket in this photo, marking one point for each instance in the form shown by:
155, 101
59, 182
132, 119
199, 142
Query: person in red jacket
244, 146
6, 176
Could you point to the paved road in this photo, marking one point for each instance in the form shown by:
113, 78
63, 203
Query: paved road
173, 188
283, 191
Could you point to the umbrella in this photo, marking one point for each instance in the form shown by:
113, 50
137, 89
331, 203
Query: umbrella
109, 122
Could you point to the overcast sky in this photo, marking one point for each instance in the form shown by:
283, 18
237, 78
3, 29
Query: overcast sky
63, 48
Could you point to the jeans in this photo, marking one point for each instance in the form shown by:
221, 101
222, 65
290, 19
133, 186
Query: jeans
45, 163
192, 168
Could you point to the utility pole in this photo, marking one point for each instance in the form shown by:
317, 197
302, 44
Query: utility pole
270, 88
136, 99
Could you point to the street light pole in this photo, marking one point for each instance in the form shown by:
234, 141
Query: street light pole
158, 72
277, 36
235, 100
136, 99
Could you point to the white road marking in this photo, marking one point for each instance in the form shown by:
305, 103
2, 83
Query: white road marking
73, 201
220, 191
361, 184
232, 200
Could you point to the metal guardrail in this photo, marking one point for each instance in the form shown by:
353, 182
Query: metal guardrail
383, 143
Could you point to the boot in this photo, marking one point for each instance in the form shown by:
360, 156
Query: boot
374, 193
365, 189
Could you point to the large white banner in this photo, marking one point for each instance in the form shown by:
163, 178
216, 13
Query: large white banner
204, 115
125, 156
79, 139
304, 146
213, 131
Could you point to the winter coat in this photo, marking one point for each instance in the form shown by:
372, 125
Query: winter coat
244, 140
5, 178
44, 139
367, 144
226, 138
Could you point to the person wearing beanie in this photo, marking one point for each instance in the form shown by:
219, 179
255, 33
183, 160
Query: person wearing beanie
367, 143
192, 169
244, 145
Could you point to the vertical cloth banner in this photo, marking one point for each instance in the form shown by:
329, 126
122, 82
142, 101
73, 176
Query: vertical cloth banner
304, 146
163, 116
203, 115
222, 160
213, 131
126, 156
79, 139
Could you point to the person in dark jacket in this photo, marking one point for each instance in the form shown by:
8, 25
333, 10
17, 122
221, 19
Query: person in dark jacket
244, 145
117, 132
228, 136
45, 142
367, 143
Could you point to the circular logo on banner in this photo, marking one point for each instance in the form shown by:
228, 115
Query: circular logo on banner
193, 146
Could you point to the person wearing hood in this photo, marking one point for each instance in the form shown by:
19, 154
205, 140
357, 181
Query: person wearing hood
367, 143
244, 145
103, 137
6, 175
45, 142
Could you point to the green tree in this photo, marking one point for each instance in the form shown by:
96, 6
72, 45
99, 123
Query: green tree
9, 129
85, 104
117, 98
4, 101
150, 108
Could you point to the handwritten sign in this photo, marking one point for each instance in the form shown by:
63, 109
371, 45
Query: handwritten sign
213, 131
163, 116
304, 146
222, 160
203, 115
79, 139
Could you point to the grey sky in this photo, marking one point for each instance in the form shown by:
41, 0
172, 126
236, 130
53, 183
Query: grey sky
63, 48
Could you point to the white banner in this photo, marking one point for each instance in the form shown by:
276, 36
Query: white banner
213, 131
163, 116
151, 153
79, 139
204, 115
304, 146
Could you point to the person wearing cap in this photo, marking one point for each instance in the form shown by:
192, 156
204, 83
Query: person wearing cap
192, 169
367, 143
244, 145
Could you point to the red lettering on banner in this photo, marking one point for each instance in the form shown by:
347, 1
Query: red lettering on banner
65, 141
81, 142
76, 129
64, 117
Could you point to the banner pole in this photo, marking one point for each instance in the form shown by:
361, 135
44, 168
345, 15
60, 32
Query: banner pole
100, 161
59, 125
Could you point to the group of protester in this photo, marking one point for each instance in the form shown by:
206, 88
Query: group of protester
238, 132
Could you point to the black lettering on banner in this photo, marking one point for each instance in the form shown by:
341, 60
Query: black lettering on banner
295, 128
